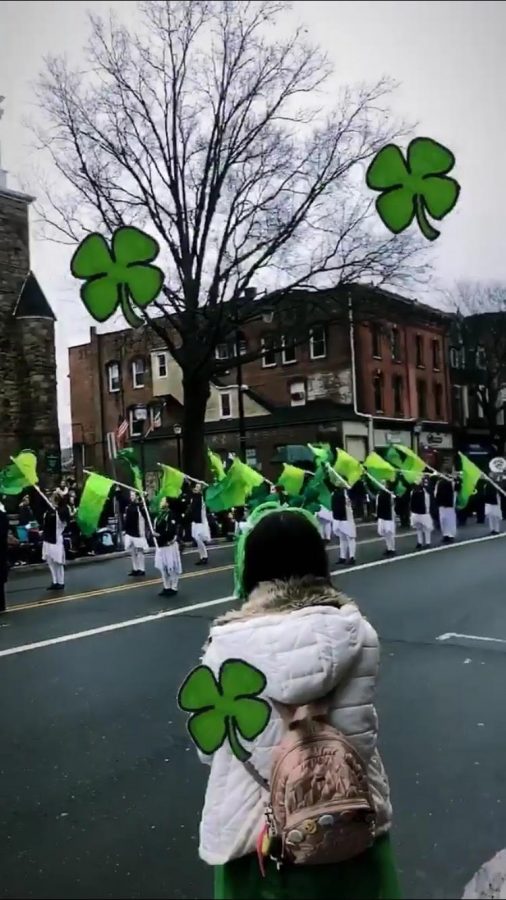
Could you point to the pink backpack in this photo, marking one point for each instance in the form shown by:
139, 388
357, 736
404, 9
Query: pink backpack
320, 808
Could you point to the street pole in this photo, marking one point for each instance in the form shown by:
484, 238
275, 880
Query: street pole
240, 399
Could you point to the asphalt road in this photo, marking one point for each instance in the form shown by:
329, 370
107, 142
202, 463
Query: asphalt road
100, 789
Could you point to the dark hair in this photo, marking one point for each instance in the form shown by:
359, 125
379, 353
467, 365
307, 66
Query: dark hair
283, 545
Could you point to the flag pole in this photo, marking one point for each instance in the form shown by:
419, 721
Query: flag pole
129, 487
378, 483
492, 482
148, 517
188, 477
36, 486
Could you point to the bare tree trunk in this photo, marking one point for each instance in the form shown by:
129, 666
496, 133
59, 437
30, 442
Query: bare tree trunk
196, 391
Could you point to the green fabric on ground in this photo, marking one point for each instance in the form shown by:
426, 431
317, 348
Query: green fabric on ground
371, 876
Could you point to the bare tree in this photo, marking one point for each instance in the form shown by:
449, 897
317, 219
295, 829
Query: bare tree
480, 336
215, 134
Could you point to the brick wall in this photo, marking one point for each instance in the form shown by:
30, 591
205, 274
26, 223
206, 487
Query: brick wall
328, 377
406, 368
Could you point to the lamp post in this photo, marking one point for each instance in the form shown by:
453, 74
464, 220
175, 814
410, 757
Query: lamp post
140, 415
178, 432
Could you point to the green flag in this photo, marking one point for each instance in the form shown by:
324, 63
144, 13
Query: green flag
407, 461
379, 468
171, 485
93, 499
259, 495
322, 453
128, 456
234, 489
348, 467
291, 479
316, 492
216, 465
470, 475
21, 473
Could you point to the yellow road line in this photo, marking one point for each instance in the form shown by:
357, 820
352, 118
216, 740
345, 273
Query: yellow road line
129, 586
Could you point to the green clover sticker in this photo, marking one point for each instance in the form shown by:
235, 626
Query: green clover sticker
225, 708
413, 187
117, 276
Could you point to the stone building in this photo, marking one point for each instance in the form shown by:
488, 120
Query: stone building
28, 400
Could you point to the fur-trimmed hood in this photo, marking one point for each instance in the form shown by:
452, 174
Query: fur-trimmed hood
286, 597
303, 635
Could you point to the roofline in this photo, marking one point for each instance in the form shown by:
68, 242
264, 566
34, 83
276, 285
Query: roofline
15, 195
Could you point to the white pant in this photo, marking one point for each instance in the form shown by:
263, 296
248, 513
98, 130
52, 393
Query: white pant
57, 572
347, 546
494, 521
390, 541
422, 534
137, 556
201, 547
447, 521
170, 581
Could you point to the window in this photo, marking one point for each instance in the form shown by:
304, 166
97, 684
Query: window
438, 400
251, 457
377, 383
288, 354
436, 360
298, 393
138, 373
268, 353
155, 417
221, 351
161, 365
421, 393
113, 379
395, 344
481, 358
419, 351
136, 425
398, 389
241, 345
457, 357
225, 406
376, 341
318, 342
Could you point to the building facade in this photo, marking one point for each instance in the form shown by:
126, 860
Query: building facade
28, 391
320, 387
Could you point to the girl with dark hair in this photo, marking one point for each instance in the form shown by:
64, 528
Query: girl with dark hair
312, 644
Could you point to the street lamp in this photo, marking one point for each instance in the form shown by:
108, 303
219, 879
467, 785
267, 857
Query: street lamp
177, 433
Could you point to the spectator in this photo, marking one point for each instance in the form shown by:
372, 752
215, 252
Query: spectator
313, 647
25, 512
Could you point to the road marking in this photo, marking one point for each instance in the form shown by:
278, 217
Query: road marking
182, 610
469, 637
114, 589
129, 586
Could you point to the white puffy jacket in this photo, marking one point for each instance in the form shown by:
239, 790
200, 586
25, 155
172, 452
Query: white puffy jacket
308, 641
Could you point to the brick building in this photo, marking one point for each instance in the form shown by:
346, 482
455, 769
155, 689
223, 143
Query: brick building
293, 393
28, 400
403, 378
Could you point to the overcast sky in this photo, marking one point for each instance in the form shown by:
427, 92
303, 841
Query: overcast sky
448, 57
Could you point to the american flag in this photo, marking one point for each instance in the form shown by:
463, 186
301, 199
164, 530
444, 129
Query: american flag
122, 431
